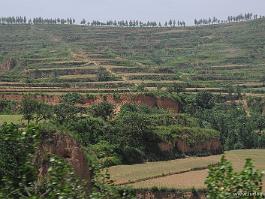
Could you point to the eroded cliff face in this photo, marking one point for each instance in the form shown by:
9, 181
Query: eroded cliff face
168, 104
8, 64
50, 99
150, 101
212, 146
65, 147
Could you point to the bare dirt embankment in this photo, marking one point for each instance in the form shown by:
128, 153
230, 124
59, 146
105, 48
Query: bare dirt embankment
66, 147
139, 99
212, 146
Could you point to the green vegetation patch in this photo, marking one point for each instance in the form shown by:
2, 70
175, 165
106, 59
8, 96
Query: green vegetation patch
191, 135
16, 119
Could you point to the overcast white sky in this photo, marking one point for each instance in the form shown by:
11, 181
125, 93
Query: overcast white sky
159, 10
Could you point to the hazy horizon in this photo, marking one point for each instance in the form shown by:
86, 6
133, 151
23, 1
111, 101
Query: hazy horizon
157, 10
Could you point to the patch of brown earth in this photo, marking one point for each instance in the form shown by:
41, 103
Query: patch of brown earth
50, 99
212, 146
65, 147
150, 101
8, 65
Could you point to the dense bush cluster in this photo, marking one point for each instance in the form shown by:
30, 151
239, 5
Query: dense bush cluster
8, 107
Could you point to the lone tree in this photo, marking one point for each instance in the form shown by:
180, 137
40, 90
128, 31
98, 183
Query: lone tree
32, 109
103, 110
205, 100
103, 74
28, 108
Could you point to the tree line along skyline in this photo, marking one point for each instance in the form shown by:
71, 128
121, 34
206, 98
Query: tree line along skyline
230, 19
127, 23
134, 23
36, 20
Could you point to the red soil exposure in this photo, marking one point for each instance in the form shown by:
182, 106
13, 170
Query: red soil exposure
50, 99
150, 101
65, 147
8, 65
212, 145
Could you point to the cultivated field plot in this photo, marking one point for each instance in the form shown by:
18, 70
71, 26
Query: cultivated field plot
169, 174
127, 173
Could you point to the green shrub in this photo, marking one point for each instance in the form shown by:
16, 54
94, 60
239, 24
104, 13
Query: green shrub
205, 100
90, 96
192, 135
104, 110
8, 107
132, 155
222, 182
16, 169
61, 181
90, 130
106, 154
72, 98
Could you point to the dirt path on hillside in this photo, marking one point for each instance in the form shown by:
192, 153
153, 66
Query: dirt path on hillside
245, 107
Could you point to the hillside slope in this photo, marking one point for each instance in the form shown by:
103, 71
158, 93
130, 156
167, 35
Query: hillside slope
209, 57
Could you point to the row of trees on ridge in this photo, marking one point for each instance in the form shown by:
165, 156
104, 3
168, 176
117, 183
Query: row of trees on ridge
128, 23
230, 19
135, 23
36, 20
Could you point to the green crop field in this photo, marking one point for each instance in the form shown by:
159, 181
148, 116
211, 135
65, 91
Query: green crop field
171, 174
16, 119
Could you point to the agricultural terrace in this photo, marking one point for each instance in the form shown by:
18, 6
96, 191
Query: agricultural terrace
221, 58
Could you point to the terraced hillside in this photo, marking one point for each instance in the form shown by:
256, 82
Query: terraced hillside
127, 100
63, 58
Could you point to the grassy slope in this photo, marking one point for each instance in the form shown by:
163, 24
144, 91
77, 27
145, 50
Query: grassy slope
190, 55
124, 173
